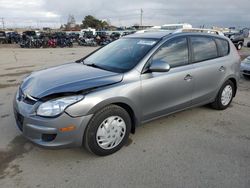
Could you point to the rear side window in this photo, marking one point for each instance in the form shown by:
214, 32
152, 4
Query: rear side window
223, 47
174, 52
204, 48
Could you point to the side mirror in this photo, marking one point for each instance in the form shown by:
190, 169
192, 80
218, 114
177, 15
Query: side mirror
159, 66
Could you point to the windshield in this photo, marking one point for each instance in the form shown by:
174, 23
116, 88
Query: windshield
121, 55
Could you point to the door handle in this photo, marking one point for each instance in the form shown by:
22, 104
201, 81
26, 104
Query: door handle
222, 69
188, 77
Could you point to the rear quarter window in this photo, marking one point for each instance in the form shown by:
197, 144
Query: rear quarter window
223, 47
204, 48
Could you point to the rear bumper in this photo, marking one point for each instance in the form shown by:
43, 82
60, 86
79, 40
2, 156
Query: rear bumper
245, 72
47, 132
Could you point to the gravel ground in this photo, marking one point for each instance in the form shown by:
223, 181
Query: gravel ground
199, 147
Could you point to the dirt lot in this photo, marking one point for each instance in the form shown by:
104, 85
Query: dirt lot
200, 147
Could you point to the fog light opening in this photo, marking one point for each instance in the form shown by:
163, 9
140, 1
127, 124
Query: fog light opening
48, 137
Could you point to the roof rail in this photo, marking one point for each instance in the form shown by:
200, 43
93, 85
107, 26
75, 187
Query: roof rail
199, 30
189, 30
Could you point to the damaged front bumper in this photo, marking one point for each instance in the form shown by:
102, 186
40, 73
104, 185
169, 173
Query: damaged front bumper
61, 131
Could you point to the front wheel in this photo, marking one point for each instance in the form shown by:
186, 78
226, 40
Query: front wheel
108, 130
239, 46
225, 96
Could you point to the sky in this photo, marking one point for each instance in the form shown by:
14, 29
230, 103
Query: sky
53, 13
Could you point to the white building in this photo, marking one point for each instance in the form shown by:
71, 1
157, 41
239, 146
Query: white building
167, 27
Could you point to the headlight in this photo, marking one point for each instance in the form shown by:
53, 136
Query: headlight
56, 106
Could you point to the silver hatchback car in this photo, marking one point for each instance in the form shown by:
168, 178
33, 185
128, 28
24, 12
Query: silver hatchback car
100, 99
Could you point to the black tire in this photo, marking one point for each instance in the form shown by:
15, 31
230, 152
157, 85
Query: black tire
247, 77
90, 141
217, 104
248, 44
239, 46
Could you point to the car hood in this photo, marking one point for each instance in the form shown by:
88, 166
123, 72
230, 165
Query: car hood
71, 77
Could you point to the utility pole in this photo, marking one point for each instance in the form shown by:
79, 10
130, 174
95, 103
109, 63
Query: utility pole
141, 16
2, 22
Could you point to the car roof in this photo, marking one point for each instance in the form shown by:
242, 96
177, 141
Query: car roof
150, 35
166, 34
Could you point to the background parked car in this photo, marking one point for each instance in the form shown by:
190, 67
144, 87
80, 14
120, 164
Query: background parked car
115, 35
30, 33
3, 38
245, 67
13, 37
102, 38
248, 44
88, 34
86, 42
127, 33
237, 38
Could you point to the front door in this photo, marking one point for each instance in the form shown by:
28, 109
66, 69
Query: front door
166, 92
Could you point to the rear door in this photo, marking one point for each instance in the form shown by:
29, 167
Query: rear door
209, 66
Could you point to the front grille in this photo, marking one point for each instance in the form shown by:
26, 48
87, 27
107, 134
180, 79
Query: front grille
19, 120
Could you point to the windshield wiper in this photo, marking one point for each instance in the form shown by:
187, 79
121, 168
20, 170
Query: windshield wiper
80, 60
94, 65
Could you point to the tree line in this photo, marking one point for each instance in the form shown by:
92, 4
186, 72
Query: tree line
89, 21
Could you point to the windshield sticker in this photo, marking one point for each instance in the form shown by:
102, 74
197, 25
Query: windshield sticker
147, 42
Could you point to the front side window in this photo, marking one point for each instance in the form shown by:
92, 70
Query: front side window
121, 55
204, 48
174, 52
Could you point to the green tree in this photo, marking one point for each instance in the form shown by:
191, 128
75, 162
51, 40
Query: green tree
91, 21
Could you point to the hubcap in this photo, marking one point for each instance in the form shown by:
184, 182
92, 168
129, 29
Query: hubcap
111, 132
226, 95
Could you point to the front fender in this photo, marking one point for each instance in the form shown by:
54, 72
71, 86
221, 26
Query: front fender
127, 94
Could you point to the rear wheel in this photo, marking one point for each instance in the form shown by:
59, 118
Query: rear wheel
248, 44
108, 130
225, 96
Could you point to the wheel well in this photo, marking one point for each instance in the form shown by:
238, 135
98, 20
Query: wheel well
235, 85
131, 114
